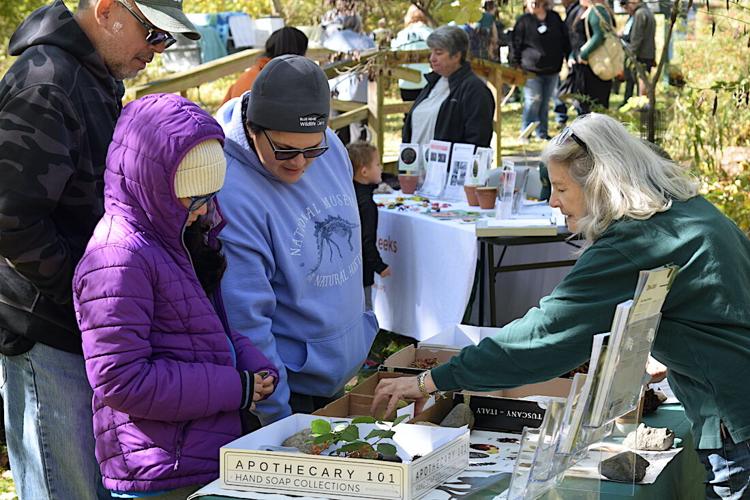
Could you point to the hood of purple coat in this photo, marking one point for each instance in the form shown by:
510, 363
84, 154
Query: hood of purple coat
152, 136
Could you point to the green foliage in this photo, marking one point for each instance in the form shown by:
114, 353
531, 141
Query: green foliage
348, 433
712, 114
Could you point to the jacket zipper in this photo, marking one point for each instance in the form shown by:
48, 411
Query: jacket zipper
178, 446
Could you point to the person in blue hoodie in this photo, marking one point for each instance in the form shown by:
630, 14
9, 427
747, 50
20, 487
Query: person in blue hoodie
293, 245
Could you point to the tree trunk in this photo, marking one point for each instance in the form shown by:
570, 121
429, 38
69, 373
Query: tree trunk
651, 112
276, 8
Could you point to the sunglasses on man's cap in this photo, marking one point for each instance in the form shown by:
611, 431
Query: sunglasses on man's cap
155, 36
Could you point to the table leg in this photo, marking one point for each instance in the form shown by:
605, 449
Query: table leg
482, 264
492, 273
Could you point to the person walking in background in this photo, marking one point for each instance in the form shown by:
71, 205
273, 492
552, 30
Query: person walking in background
572, 15
639, 36
540, 44
59, 102
286, 40
367, 175
488, 31
595, 19
169, 377
292, 240
413, 37
455, 106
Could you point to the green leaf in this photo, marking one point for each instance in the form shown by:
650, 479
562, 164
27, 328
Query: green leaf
340, 426
400, 419
363, 420
387, 449
380, 433
350, 433
354, 446
320, 426
323, 438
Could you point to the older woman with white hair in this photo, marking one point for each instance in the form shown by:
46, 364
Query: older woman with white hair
455, 106
637, 211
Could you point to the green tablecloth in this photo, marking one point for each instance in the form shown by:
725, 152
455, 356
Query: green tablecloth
682, 479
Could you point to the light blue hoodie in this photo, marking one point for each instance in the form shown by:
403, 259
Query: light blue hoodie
294, 278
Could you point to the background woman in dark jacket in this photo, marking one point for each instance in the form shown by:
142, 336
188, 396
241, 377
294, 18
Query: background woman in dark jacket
540, 43
455, 106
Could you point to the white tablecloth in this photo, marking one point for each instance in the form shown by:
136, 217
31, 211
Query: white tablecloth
433, 263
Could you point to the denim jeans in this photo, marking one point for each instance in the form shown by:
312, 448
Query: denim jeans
728, 470
48, 425
537, 93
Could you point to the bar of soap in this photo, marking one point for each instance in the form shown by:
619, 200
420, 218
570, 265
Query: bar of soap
649, 439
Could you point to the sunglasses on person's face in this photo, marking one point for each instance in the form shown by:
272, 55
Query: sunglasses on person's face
568, 133
196, 202
155, 36
288, 154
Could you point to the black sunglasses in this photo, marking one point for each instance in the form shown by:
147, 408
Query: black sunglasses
288, 154
568, 133
155, 36
197, 202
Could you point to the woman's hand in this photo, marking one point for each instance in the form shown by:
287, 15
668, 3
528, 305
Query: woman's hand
394, 389
263, 386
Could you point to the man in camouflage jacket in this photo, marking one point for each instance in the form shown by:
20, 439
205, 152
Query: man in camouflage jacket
59, 102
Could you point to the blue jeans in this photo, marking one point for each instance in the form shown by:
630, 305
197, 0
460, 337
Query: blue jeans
536, 96
48, 425
728, 470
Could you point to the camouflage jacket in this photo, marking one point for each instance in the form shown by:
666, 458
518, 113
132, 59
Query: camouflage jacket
58, 108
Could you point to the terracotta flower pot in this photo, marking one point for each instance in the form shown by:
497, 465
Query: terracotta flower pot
471, 195
487, 196
408, 183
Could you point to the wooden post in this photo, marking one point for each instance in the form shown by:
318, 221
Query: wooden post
497, 83
376, 117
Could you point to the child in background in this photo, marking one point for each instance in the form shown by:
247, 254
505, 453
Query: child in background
170, 379
367, 175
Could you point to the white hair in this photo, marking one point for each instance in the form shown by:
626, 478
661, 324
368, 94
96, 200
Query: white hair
621, 175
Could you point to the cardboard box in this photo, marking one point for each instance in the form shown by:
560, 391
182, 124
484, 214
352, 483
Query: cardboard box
503, 410
246, 464
368, 385
403, 360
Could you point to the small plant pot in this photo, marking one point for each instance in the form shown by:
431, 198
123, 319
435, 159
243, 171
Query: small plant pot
471, 195
408, 183
487, 197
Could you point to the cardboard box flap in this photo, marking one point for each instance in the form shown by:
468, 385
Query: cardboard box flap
557, 387
459, 336
368, 385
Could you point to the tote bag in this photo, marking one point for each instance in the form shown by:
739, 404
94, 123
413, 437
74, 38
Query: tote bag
607, 60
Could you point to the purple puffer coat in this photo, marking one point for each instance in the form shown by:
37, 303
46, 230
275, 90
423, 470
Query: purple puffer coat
167, 389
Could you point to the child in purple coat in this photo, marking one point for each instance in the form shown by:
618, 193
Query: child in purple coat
170, 379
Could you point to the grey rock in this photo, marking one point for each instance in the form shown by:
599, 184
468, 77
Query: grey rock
460, 415
300, 440
626, 467
649, 439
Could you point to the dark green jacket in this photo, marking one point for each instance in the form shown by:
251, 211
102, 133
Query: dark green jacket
704, 335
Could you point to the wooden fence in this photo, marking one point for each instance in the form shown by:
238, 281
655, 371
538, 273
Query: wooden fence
380, 66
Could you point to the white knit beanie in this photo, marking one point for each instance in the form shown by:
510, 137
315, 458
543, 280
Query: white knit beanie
202, 170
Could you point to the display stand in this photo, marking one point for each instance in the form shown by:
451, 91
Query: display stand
579, 428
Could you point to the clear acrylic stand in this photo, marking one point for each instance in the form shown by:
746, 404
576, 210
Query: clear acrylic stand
578, 431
